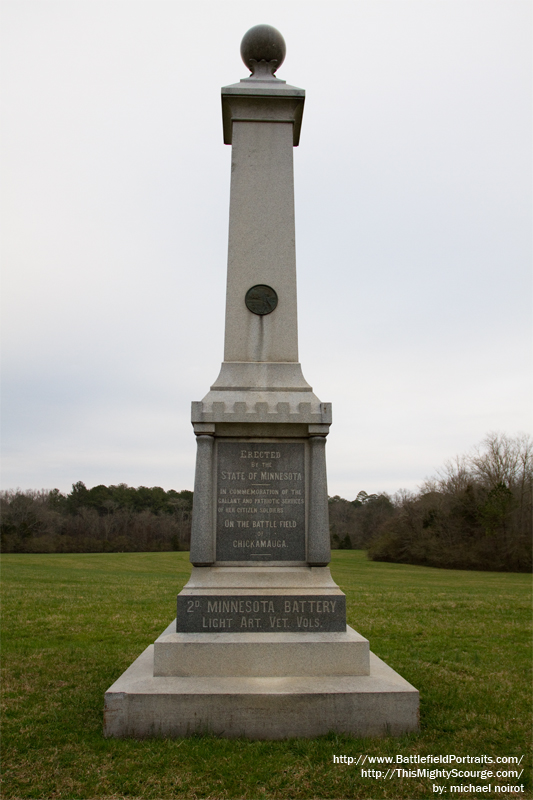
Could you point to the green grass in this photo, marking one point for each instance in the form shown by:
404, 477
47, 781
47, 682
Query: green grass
73, 623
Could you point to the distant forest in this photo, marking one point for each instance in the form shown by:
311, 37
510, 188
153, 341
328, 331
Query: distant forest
104, 519
476, 513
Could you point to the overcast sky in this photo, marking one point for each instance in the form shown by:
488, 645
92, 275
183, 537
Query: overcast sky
413, 230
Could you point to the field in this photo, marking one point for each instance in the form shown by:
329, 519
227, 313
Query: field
73, 623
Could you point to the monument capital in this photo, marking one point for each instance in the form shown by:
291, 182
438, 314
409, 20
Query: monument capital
262, 97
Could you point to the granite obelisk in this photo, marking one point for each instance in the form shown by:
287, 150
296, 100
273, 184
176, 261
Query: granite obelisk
260, 647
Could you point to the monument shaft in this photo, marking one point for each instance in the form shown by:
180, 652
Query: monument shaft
261, 242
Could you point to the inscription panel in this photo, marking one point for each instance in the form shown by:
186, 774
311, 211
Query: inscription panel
266, 613
260, 497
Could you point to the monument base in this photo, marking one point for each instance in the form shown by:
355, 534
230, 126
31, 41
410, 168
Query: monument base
260, 655
141, 705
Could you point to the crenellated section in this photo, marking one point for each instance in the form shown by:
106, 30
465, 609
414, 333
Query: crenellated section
260, 407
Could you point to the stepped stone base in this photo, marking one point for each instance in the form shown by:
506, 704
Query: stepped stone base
260, 655
140, 705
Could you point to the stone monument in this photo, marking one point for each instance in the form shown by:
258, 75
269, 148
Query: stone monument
260, 647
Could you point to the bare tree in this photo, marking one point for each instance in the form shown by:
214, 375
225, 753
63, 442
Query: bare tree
502, 459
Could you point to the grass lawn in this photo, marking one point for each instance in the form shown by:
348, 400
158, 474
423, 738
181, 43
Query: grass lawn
73, 623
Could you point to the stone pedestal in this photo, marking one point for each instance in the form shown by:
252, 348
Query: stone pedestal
272, 706
260, 647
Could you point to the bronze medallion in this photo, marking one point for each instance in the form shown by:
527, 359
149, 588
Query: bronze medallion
261, 299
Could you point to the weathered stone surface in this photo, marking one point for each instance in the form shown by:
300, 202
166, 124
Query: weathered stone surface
202, 544
277, 654
260, 499
256, 578
261, 613
261, 391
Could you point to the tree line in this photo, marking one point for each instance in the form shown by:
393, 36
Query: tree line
476, 513
99, 520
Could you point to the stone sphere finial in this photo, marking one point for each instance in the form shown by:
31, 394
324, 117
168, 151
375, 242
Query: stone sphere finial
263, 50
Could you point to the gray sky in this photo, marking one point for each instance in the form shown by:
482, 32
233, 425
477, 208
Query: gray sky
413, 230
